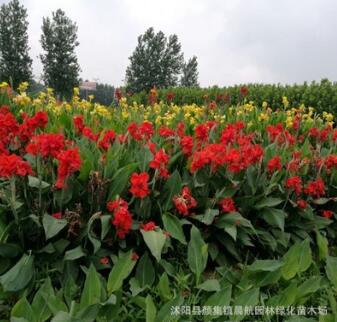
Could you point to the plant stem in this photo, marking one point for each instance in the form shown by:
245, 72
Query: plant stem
13, 208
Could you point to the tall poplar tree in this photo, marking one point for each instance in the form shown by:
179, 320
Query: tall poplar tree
15, 62
190, 73
60, 65
156, 61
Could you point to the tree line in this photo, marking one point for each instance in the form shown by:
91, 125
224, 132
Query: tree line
157, 61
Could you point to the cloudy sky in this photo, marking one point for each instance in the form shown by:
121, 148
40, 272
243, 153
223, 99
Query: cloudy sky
236, 41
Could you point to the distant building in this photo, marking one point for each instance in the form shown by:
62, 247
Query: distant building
88, 86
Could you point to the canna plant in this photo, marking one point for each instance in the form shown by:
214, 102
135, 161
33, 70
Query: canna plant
108, 209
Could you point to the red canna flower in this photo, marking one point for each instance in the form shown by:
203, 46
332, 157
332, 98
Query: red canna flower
13, 165
78, 123
316, 189
313, 132
134, 131
331, 162
243, 90
122, 221
140, 184
184, 202
104, 260
181, 129
146, 130
134, 256
227, 205
46, 145
166, 132
212, 105
107, 140
302, 203
153, 96
327, 213
69, 162
88, 133
57, 215
294, 183
274, 164
151, 225
187, 144
170, 96
117, 203
159, 162
118, 94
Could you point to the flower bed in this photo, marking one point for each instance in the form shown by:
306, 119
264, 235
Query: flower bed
151, 212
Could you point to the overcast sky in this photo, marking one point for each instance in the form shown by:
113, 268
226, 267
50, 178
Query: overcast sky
236, 41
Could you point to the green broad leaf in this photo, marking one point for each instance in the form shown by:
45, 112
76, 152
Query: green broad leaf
268, 202
74, 253
52, 226
135, 287
18, 277
121, 179
274, 217
151, 310
173, 225
251, 179
171, 188
145, 273
55, 303
96, 243
231, 230
22, 309
165, 313
70, 290
144, 159
9, 250
331, 269
211, 285
312, 285
62, 317
63, 196
120, 271
168, 267
289, 295
154, 240
322, 318
88, 314
85, 171
164, 288
268, 265
305, 256
297, 259
197, 253
92, 290
208, 217
220, 298
321, 201
105, 224
233, 218
263, 278
34, 182
322, 244
39, 304
245, 299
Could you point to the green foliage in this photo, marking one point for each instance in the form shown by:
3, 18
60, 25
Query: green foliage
320, 95
156, 61
190, 73
60, 66
15, 62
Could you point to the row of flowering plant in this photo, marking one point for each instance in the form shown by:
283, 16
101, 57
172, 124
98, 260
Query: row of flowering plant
206, 187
